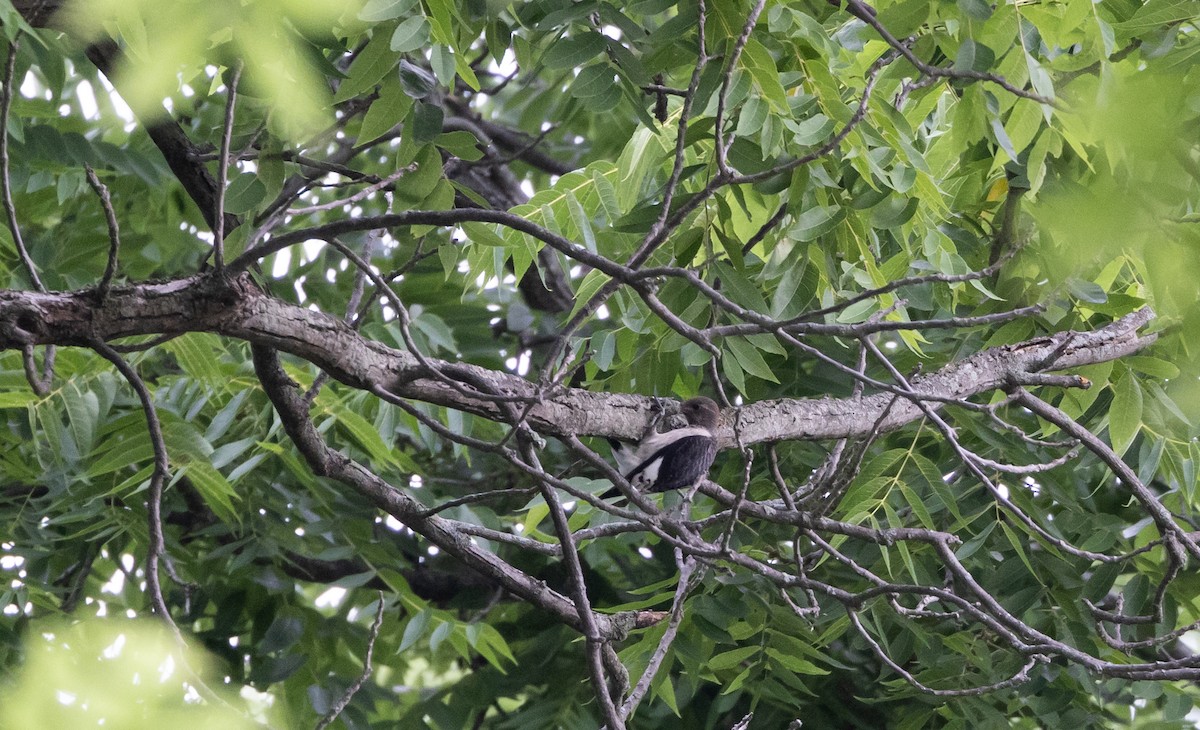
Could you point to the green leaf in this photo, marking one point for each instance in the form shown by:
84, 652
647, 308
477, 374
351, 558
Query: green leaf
733, 371
83, 412
440, 634
758, 62
414, 630
732, 658
244, 193
971, 546
1087, 291
18, 398
1160, 13
591, 284
606, 191
976, 9
1125, 413
815, 222
482, 234
386, 111
1152, 366
740, 289
534, 517
377, 10
1018, 546
441, 59
641, 155
795, 663
490, 637
917, 504
441, 12
750, 359
904, 18
369, 439
426, 122
199, 354
974, 56
580, 218
575, 50
126, 453
214, 488
461, 144
814, 130
593, 81
410, 35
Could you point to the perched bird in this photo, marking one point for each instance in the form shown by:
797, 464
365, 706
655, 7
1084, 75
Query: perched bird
675, 459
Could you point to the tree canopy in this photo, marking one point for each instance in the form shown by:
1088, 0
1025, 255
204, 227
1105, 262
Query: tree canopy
315, 317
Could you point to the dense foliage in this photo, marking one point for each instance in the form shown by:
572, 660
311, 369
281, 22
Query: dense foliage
897, 243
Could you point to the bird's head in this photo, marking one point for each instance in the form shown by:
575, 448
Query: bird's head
701, 412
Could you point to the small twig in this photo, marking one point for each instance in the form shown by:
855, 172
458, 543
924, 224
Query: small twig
223, 169
1035, 468
587, 618
748, 457
659, 228
1162, 517
405, 321
40, 383
976, 468
158, 478
372, 188
77, 576
1021, 676
344, 700
480, 497
661, 89
867, 14
766, 228
114, 234
353, 318
10, 209
686, 582
833, 142
722, 145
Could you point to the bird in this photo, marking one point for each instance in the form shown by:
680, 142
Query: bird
676, 459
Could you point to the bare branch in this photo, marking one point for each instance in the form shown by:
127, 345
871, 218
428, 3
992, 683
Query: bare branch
223, 169
114, 233
10, 210
238, 309
727, 81
326, 462
344, 700
688, 578
39, 382
1020, 677
156, 549
1163, 518
867, 14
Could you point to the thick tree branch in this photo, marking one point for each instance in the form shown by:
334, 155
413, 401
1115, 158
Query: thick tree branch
237, 309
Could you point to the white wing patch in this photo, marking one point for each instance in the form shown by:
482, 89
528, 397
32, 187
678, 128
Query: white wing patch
647, 476
627, 458
686, 462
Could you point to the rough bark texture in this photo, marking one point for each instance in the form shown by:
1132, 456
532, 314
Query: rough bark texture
236, 308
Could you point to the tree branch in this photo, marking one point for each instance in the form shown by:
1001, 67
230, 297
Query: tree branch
236, 308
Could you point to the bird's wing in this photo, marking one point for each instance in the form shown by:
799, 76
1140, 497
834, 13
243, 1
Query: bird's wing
626, 455
679, 463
